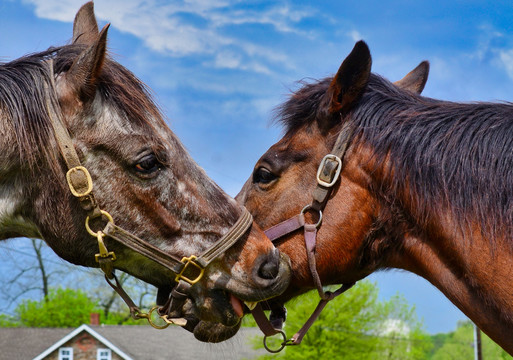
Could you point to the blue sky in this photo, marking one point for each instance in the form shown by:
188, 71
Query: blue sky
219, 67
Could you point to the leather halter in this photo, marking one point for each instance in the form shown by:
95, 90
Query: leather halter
188, 270
328, 174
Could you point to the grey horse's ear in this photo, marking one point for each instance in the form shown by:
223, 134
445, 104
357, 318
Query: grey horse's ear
416, 79
81, 78
85, 27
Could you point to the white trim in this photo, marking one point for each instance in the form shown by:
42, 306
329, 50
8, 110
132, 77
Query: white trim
77, 331
69, 356
107, 351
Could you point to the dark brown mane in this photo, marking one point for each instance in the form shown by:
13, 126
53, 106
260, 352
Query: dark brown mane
452, 156
23, 98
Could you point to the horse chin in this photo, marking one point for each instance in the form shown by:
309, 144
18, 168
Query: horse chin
213, 332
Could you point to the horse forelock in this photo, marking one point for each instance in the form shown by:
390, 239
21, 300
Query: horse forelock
302, 107
445, 155
23, 101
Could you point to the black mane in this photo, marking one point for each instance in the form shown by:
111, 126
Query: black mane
446, 156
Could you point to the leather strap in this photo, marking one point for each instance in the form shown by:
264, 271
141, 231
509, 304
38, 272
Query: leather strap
327, 175
174, 263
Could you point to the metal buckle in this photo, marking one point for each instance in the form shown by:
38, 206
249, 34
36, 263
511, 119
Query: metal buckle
186, 261
88, 180
321, 167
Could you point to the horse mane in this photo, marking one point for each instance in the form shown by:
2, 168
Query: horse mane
23, 98
441, 156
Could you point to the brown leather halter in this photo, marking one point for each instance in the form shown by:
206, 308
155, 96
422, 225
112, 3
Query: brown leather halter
188, 270
328, 174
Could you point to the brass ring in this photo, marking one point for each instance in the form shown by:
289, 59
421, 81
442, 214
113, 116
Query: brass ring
104, 213
159, 327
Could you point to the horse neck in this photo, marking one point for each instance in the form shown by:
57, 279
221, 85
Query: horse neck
425, 235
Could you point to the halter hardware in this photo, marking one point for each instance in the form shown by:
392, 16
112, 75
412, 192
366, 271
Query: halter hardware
329, 170
308, 208
190, 261
79, 176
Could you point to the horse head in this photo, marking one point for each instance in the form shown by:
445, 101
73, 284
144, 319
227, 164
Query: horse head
143, 179
284, 178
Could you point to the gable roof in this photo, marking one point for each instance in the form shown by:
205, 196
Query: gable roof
74, 333
135, 342
27, 343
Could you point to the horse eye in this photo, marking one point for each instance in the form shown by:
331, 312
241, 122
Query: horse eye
148, 165
263, 176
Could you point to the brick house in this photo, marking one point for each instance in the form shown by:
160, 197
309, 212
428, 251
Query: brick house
125, 342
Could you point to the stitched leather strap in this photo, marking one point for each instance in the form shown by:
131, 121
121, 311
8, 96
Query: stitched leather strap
174, 263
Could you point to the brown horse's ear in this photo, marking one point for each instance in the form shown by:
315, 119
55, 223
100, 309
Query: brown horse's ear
416, 79
82, 76
85, 27
349, 82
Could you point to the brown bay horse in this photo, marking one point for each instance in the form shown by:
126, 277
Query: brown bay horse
71, 118
425, 186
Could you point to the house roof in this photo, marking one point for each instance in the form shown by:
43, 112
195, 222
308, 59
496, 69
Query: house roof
129, 341
27, 343
76, 332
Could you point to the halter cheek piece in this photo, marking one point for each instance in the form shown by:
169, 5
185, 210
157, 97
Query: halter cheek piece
188, 270
328, 174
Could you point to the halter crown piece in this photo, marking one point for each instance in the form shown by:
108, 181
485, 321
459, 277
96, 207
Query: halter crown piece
328, 174
188, 270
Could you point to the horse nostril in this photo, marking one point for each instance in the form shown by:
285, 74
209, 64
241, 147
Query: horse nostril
270, 267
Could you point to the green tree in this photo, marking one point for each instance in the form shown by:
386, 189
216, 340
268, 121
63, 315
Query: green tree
356, 326
460, 345
61, 308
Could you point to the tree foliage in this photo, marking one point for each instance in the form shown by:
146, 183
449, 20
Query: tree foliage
61, 308
357, 326
460, 345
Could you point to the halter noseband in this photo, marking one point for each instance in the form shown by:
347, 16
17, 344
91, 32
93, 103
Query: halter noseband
188, 270
328, 174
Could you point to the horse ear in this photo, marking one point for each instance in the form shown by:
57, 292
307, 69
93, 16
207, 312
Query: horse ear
85, 27
83, 74
349, 82
416, 79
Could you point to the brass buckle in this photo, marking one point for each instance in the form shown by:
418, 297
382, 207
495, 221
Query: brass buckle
88, 179
321, 167
186, 261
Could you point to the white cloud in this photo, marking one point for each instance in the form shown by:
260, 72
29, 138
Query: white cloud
191, 27
506, 57
355, 35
